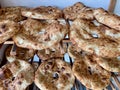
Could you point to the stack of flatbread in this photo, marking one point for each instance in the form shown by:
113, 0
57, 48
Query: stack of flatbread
95, 36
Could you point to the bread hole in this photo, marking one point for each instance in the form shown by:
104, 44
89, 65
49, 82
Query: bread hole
47, 38
13, 78
46, 67
55, 75
50, 63
53, 51
89, 70
3, 26
81, 52
104, 79
58, 71
51, 10
63, 68
68, 75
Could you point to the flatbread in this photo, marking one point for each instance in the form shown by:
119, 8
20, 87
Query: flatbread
54, 74
78, 10
12, 13
8, 29
17, 75
90, 74
56, 51
40, 35
107, 18
20, 52
110, 64
43, 12
101, 46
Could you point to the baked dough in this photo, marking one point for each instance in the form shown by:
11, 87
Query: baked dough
110, 64
22, 54
17, 75
90, 74
12, 13
74, 51
43, 12
78, 10
56, 51
107, 18
101, 46
40, 35
95, 28
8, 29
54, 74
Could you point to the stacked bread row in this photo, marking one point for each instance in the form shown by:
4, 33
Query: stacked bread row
95, 45
94, 34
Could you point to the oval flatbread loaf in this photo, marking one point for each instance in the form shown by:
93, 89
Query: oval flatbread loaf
78, 10
109, 64
56, 51
95, 28
54, 74
22, 54
43, 12
107, 18
41, 34
90, 74
12, 13
101, 46
17, 75
8, 29
87, 70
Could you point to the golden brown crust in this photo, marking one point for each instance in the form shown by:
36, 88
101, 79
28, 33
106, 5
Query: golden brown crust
110, 33
110, 64
95, 28
56, 51
74, 51
42, 35
107, 18
12, 13
20, 52
43, 12
104, 47
90, 73
8, 29
54, 74
78, 10
69, 12
16, 75
86, 13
